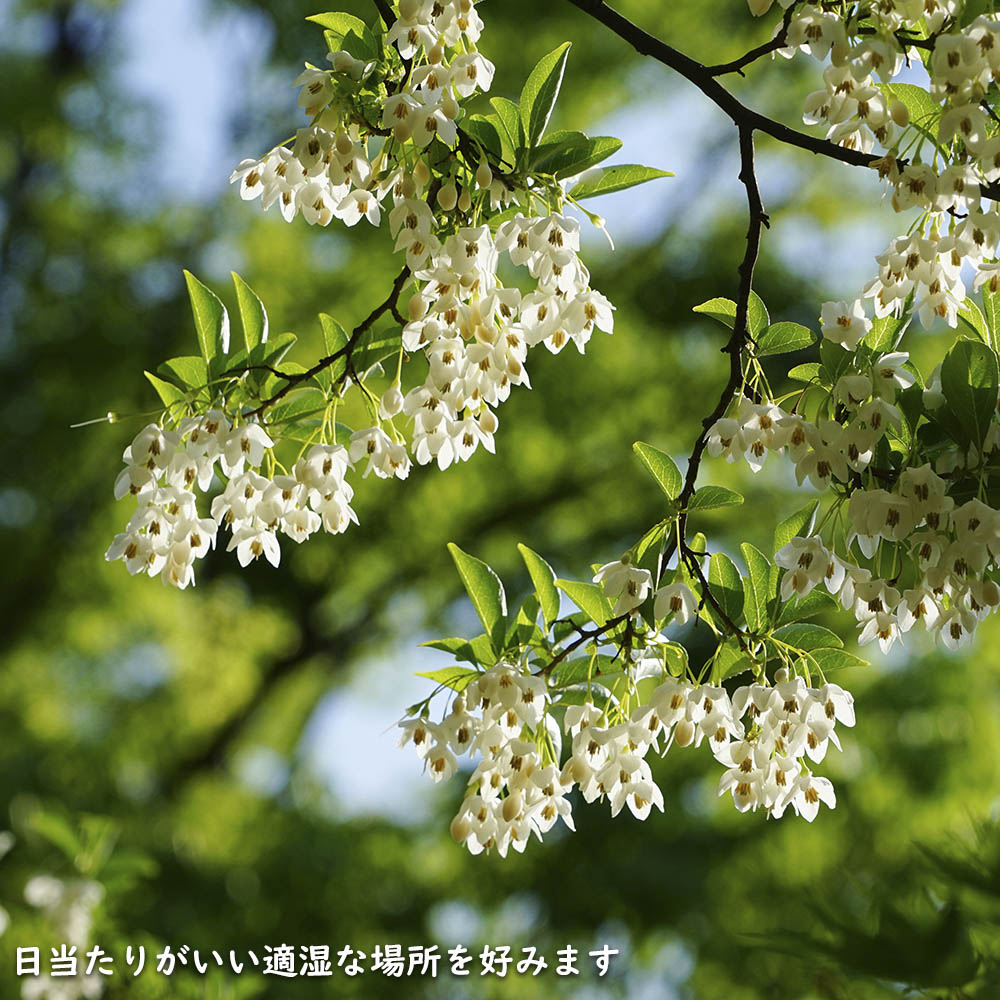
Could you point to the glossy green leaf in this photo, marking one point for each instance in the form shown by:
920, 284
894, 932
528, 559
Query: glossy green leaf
969, 381
607, 180
808, 637
727, 585
783, 338
253, 315
456, 678
661, 466
544, 580
799, 523
211, 320
714, 497
540, 91
756, 587
485, 591
589, 598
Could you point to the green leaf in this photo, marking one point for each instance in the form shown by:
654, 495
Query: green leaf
837, 659
485, 591
334, 339
756, 587
974, 319
835, 359
567, 153
810, 372
662, 468
524, 628
808, 637
189, 372
607, 180
308, 401
783, 338
478, 650
544, 580
729, 661
727, 585
799, 523
348, 33
510, 119
991, 312
713, 497
538, 97
881, 338
757, 318
211, 320
589, 598
816, 602
252, 313
485, 129
456, 678
646, 552
724, 310
969, 380
167, 391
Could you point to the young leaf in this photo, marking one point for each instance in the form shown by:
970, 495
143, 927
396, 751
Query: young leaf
713, 497
485, 129
729, 661
211, 320
456, 678
969, 380
662, 468
783, 338
757, 318
510, 120
477, 651
756, 587
589, 598
485, 591
344, 31
189, 372
814, 603
167, 391
252, 313
724, 310
607, 180
800, 523
836, 659
544, 580
810, 372
538, 97
567, 153
808, 637
727, 585
334, 339
973, 317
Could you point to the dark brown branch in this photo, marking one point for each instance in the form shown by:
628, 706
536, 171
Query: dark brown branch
777, 42
702, 77
583, 638
389, 305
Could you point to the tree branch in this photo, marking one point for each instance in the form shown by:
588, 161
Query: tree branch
389, 305
703, 77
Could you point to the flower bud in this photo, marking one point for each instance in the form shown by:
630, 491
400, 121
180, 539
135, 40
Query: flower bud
344, 144
436, 54
484, 176
900, 113
391, 402
684, 733
512, 806
488, 422
421, 173
408, 187
460, 829
464, 200
416, 307
448, 196
449, 106
402, 130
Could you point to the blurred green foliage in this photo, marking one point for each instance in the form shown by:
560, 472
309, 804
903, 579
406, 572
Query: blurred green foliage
121, 700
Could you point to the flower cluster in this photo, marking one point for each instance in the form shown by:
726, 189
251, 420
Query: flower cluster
475, 333
507, 720
332, 170
165, 469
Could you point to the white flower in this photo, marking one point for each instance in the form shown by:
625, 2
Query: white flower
627, 583
676, 602
845, 323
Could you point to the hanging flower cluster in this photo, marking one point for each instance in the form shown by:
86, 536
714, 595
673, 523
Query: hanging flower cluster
389, 136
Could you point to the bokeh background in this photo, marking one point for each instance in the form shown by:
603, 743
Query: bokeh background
222, 760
